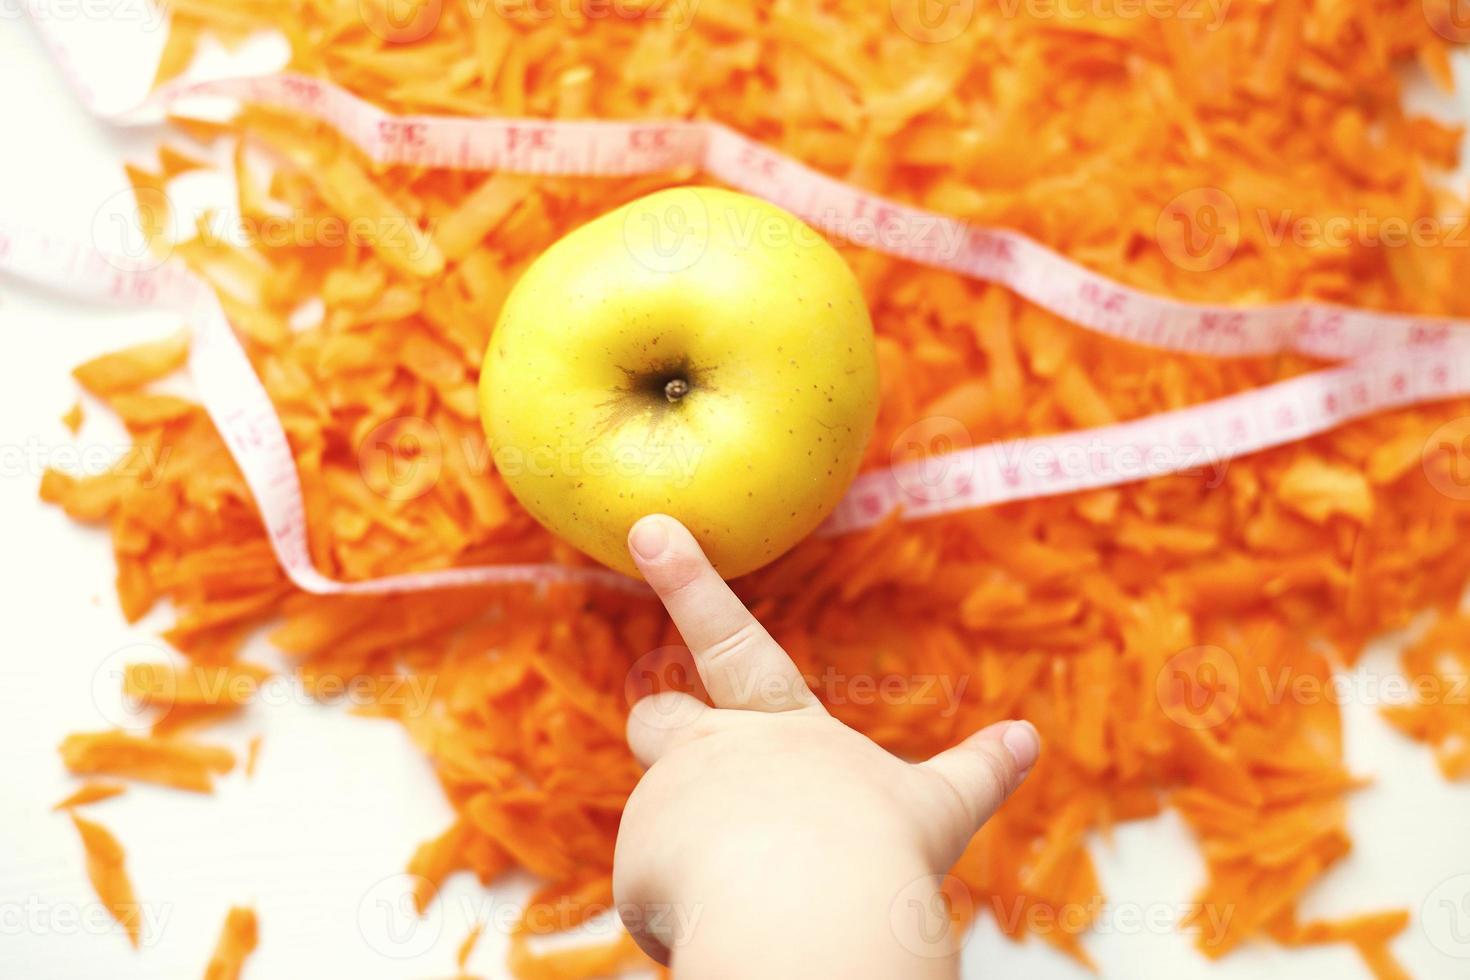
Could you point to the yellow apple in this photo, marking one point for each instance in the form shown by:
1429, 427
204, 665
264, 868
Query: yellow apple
698, 353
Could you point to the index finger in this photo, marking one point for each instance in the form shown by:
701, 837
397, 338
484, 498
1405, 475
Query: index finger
741, 666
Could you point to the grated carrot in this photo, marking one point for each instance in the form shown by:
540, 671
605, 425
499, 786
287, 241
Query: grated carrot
94, 791
1438, 668
1373, 928
462, 955
1380, 961
134, 366
1155, 632
73, 418
107, 869
566, 907
237, 940
166, 761
434, 861
193, 685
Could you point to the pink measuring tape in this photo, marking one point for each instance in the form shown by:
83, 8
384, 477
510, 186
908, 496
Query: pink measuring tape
1414, 359
1008, 258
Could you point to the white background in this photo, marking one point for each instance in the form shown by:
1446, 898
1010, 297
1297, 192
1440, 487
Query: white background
317, 839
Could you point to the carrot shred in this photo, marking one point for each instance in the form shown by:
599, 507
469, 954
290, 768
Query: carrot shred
1373, 927
433, 862
467, 946
135, 366
1380, 961
193, 684
166, 761
73, 418
252, 755
93, 791
237, 940
106, 867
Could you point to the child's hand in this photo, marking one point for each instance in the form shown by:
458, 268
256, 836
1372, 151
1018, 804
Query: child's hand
767, 839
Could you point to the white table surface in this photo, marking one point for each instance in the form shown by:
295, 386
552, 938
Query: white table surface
317, 840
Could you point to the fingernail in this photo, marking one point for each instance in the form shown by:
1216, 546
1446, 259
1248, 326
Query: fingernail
649, 538
1022, 742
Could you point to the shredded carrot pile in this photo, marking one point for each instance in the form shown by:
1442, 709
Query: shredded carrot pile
1156, 633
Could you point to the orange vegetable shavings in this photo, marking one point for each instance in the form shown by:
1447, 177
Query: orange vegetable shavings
555, 909
73, 418
1169, 638
166, 761
1317, 490
189, 696
237, 940
194, 684
467, 946
106, 868
434, 860
588, 960
134, 366
1369, 934
1377, 926
94, 791
1380, 961
1438, 710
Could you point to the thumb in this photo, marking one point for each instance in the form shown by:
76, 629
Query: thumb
987, 767
662, 722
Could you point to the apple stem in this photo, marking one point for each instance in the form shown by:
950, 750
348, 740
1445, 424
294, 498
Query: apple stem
676, 389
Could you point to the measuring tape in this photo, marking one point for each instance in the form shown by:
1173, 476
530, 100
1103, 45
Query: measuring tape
1414, 359
595, 148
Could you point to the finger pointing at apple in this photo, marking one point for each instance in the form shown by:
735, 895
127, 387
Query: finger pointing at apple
765, 816
738, 661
